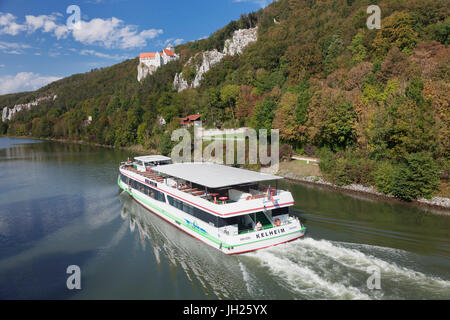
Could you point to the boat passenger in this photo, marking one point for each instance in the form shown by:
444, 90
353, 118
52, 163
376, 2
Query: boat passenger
258, 226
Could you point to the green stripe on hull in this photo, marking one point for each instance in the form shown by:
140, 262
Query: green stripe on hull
203, 234
167, 214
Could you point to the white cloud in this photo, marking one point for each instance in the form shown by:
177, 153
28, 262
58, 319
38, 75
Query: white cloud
2, 65
178, 41
53, 53
112, 33
173, 41
103, 55
109, 33
47, 24
8, 24
23, 81
261, 3
13, 47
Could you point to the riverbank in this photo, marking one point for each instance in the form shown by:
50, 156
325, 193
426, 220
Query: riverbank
298, 171
304, 173
138, 149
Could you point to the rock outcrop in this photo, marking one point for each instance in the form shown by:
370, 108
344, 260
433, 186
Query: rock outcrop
8, 113
144, 70
204, 61
208, 60
241, 39
180, 83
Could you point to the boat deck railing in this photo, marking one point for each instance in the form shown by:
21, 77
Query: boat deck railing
157, 178
261, 191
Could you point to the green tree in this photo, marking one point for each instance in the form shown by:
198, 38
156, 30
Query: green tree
338, 131
359, 51
264, 114
166, 144
3, 127
396, 30
442, 32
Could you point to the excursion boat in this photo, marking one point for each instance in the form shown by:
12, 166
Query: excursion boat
231, 209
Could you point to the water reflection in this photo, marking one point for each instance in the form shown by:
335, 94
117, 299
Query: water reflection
304, 269
60, 205
216, 274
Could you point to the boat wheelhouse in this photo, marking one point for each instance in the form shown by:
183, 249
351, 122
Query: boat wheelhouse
231, 209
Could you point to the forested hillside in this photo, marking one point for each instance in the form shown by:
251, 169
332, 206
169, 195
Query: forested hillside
372, 104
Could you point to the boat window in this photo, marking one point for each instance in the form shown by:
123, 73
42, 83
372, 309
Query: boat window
223, 222
124, 178
280, 211
188, 209
193, 211
155, 194
206, 217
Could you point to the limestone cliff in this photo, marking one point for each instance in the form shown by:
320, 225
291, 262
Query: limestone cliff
8, 113
204, 61
241, 39
144, 70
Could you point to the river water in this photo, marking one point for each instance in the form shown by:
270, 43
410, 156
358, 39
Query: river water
60, 206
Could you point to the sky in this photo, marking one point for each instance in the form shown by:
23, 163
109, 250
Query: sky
43, 41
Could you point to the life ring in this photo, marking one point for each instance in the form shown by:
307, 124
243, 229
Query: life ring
277, 222
249, 198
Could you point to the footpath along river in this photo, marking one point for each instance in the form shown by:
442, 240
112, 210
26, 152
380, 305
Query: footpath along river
60, 205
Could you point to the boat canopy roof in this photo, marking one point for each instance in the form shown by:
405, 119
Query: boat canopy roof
152, 159
213, 175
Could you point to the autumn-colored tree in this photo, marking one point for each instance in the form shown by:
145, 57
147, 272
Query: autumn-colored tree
246, 103
393, 65
303, 60
229, 95
397, 30
356, 75
286, 120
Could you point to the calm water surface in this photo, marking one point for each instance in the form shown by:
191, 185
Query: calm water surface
60, 206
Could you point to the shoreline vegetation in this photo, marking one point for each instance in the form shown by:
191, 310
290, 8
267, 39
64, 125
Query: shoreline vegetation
298, 171
302, 172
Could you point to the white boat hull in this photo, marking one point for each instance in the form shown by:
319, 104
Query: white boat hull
210, 235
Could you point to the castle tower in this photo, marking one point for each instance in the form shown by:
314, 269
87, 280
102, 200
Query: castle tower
171, 48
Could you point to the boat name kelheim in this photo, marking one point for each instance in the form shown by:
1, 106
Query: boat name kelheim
269, 233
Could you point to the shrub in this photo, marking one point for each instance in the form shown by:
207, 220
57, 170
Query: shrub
310, 150
344, 168
417, 176
383, 177
340, 173
326, 160
286, 152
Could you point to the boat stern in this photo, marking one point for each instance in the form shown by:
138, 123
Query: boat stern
258, 240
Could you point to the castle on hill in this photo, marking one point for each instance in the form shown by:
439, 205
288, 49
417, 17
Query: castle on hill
150, 62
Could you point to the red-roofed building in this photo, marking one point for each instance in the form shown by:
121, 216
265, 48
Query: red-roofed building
190, 120
168, 53
153, 60
151, 55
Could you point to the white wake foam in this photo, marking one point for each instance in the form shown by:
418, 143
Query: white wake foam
321, 269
